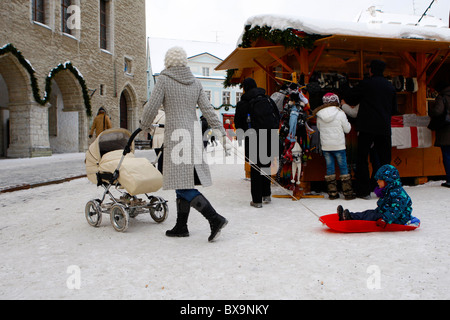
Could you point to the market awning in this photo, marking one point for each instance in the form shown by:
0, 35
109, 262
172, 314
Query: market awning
252, 57
344, 42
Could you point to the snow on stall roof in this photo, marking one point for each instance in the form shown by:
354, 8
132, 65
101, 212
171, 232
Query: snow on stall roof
370, 23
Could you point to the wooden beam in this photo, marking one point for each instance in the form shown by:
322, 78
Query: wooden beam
438, 67
266, 71
421, 93
273, 55
429, 61
319, 55
314, 53
304, 66
406, 56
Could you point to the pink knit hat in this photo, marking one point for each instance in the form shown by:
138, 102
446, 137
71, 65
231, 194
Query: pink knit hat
330, 98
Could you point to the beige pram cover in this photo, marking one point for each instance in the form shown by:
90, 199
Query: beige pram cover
136, 175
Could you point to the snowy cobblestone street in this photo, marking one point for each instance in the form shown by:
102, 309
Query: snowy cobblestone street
278, 252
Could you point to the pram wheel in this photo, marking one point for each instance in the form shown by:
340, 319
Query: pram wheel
119, 217
93, 213
158, 209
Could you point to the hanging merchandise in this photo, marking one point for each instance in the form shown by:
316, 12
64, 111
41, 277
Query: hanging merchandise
294, 132
321, 83
296, 164
293, 119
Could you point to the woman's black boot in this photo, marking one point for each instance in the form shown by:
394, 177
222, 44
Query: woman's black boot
216, 221
181, 230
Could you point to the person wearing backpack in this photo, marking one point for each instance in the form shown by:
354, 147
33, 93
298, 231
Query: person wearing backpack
257, 115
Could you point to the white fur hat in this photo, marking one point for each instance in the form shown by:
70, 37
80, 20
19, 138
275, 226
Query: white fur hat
175, 57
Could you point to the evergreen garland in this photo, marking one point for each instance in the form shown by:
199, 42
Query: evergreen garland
289, 38
227, 82
9, 48
226, 106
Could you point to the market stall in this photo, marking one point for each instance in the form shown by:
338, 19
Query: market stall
323, 56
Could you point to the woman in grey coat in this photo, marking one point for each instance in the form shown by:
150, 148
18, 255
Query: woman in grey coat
184, 162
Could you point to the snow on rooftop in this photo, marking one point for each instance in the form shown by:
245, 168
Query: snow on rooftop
370, 23
375, 15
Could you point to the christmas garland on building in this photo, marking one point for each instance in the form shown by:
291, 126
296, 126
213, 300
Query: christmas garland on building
9, 48
226, 106
289, 38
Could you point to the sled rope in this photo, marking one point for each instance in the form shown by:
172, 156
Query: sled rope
253, 165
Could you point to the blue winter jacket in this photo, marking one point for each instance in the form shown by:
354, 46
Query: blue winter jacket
395, 205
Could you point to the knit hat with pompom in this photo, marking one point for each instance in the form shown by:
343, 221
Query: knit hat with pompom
330, 98
175, 57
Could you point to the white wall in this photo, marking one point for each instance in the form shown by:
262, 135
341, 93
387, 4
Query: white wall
4, 116
66, 140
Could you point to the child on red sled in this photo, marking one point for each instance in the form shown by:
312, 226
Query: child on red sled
394, 205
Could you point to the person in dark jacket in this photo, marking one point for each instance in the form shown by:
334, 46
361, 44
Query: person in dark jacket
205, 127
260, 170
101, 123
441, 106
377, 101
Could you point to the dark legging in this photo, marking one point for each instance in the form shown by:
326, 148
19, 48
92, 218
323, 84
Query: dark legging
260, 184
368, 215
446, 160
382, 145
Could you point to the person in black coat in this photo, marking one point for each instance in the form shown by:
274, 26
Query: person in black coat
205, 127
441, 107
377, 101
260, 169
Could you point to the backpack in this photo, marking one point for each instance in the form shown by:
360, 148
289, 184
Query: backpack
264, 113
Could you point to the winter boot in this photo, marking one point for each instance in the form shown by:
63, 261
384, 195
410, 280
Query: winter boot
346, 215
332, 187
347, 189
340, 212
181, 230
216, 221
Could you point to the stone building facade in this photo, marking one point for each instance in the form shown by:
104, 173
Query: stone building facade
60, 61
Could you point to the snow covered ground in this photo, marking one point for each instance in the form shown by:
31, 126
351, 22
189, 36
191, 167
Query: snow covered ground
282, 251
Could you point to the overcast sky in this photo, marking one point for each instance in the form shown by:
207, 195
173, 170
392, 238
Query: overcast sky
223, 21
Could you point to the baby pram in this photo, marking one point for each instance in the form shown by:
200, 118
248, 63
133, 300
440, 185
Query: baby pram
110, 163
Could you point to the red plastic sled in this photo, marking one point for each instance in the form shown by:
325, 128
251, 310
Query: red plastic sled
360, 226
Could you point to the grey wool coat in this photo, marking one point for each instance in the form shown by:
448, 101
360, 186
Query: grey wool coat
180, 92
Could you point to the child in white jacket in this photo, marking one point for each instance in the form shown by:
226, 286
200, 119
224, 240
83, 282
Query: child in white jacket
333, 125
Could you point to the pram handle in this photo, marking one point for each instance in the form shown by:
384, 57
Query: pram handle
127, 149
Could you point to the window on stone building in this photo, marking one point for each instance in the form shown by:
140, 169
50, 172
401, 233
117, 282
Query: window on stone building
208, 94
238, 97
128, 66
226, 97
65, 16
38, 7
105, 28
